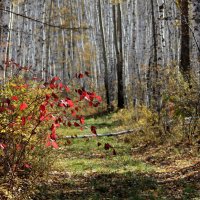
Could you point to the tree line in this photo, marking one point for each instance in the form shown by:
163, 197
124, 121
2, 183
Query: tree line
125, 44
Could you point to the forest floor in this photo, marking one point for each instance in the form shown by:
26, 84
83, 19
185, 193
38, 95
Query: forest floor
86, 170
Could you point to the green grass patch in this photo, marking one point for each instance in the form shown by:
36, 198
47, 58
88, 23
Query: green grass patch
85, 156
80, 156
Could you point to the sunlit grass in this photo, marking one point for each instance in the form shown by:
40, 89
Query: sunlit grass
116, 165
80, 156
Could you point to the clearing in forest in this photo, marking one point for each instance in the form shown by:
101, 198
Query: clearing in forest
111, 168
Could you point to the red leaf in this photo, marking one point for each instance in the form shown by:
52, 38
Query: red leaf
54, 144
80, 76
98, 98
42, 108
67, 89
92, 95
60, 85
85, 95
54, 96
107, 146
42, 117
61, 105
59, 120
52, 105
14, 98
93, 129
23, 121
79, 91
52, 86
76, 124
53, 128
69, 124
29, 117
96, 104
18, 147
90, 104
82, 120
53, 136
73, 113
24, 86
54, 79
48, 96
23, 106
70, 103
64, 112
27, 166
2, 109
48, 143
57, 125
6, 100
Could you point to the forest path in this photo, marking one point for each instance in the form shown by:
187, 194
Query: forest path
91, 169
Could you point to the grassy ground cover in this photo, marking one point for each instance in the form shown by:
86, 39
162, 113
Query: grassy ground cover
85, 170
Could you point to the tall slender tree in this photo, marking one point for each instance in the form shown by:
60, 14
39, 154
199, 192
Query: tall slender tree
117, 22
4, 35
185, 39
48, 40
106, 78
196, 28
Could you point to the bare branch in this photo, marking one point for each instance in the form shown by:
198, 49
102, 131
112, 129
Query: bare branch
47, 24
132, 131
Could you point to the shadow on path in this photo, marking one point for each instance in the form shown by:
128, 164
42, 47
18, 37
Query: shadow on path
129, 185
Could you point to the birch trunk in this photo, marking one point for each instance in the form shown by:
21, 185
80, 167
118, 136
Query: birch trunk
106, 81
47, 67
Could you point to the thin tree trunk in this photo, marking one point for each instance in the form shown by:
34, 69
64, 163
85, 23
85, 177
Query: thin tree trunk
106, 81
64, 67
155, 57
196, 35
117, 22
185, 40
48, 44
4, 29
120, 71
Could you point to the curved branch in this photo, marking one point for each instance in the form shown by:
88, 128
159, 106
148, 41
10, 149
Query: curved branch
47, 24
